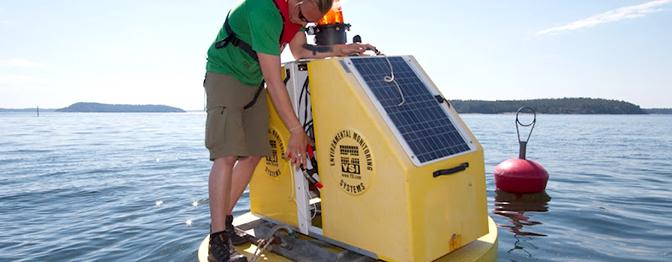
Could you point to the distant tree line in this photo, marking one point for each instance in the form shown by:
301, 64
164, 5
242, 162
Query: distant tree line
659, 110
98, 107
549, 106
543, 106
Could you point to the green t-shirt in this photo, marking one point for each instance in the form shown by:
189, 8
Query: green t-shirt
258, 23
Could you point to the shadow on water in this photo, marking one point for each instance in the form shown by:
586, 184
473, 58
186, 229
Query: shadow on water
513, 207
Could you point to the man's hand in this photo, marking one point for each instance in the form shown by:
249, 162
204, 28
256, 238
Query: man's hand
296, 148
353, 49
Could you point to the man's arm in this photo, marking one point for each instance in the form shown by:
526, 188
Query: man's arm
270, 67
301, 49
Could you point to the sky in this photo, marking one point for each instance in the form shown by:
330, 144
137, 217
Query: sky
57, 52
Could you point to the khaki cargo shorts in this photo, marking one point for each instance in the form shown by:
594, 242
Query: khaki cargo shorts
231, 130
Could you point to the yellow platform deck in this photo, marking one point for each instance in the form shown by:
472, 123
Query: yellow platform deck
482, 249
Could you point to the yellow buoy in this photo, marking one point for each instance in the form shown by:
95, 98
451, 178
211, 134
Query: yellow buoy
403, 176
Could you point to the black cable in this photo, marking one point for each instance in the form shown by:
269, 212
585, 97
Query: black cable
307, 126
305, 101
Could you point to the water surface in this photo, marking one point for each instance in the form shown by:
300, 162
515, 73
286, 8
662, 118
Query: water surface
133, 187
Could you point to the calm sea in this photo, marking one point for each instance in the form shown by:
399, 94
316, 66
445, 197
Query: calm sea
132, 187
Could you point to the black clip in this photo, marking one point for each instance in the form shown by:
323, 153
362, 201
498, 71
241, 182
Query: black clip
222, 43
439, 99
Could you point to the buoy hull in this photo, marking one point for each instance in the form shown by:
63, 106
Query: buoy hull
521, 176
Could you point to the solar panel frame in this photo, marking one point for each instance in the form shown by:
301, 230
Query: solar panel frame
391, 96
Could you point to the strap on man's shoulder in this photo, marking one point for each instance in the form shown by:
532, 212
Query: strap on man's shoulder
232, 38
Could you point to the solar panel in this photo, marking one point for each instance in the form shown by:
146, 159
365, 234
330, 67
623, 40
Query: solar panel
423, 124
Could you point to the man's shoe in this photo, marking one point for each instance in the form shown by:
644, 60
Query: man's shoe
237, 238
219, 251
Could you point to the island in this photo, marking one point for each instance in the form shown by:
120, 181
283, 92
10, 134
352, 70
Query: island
549, 106
578, 105
119, 108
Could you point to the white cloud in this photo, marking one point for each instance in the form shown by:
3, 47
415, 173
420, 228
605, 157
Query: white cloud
627, 12
20, 62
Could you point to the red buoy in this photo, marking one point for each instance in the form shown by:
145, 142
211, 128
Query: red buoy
521, 175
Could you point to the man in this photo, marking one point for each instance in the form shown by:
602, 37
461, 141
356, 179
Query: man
245, 52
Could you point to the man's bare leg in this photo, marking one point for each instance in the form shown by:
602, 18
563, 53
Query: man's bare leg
242, 173
219, 190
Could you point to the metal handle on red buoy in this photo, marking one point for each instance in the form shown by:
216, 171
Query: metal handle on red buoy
523, 144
